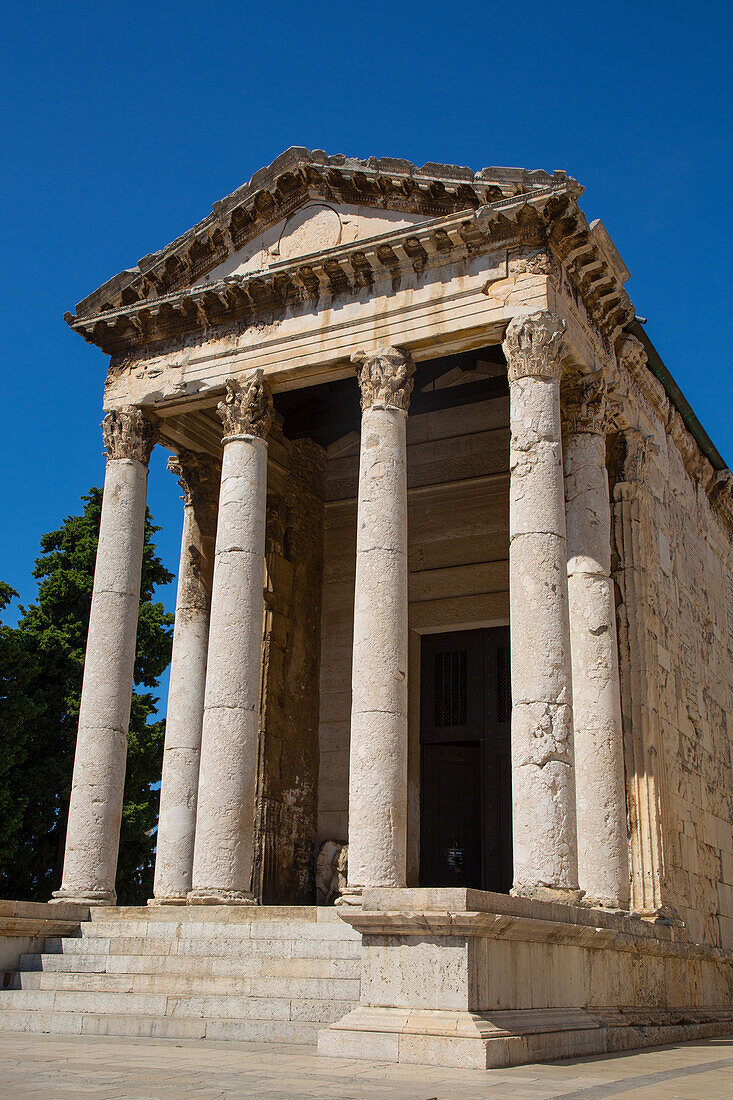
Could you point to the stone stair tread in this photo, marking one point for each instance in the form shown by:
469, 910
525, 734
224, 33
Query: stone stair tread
258, 987
214, 946
160, 1003
218, 1028
191, 966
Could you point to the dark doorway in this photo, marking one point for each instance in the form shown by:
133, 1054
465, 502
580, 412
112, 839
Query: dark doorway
465, 773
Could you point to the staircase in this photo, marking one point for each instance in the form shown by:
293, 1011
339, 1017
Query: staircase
267, 974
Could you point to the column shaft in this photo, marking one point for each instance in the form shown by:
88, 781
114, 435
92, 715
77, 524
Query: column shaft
95, 809
222, 866
543, 782
199, 478
378, 750
603, 862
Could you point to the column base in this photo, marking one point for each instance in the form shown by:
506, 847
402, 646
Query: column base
178, 899
83, 897
350, 897
561, 894
214, 896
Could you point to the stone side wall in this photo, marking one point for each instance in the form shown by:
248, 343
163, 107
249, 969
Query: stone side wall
284, 870
458, 539
694, 605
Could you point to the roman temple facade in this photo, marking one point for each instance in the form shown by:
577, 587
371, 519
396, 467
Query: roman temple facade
454, 630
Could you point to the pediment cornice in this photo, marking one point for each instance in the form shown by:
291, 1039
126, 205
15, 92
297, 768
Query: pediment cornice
295, 178
547, 215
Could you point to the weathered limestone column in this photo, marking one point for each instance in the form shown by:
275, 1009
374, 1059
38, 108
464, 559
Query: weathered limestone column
199, 478
95, 809
378, 753
222, 863
543, 779
603, 861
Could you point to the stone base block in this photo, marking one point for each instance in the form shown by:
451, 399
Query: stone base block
464, 978
471, 1040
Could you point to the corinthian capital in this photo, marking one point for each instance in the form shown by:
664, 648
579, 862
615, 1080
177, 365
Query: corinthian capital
585, 405
385, 377
199, 478
128, 434
247, 407
534, 346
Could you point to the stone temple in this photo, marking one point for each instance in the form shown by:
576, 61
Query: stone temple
453, 639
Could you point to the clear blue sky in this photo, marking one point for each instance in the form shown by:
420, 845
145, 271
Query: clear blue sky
123, 123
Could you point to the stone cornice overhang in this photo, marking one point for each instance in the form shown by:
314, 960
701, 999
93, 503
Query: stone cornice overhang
294, 178
548, 216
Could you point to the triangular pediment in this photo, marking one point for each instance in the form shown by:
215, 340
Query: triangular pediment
311, 228
279, 209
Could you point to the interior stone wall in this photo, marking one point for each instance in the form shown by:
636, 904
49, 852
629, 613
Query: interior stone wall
458, 543
694, 612
284, 869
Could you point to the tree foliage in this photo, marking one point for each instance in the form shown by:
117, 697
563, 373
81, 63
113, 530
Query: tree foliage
41, 667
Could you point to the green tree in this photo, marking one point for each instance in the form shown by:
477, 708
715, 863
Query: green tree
41, 666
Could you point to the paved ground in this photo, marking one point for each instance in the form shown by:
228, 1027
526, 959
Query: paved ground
50, 1068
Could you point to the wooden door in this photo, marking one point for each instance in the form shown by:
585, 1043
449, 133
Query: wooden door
465, 798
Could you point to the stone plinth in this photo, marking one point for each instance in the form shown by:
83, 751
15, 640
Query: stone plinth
467, 978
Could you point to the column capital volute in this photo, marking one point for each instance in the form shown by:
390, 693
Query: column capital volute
534, 346
246, 408
385, 377
128, 433
199, 476
585, 406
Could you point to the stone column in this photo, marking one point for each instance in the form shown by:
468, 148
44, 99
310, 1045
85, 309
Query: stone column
636, 561
378, 752
95, 809
199, 478
543, 779
603, 861
222, 864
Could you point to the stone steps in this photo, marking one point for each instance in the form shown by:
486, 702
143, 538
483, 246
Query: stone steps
194, 966
196, 972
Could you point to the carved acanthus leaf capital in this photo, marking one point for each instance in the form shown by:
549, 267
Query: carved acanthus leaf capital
585, 405
534, 346
199, 477
247, 407
385, 377
128, 434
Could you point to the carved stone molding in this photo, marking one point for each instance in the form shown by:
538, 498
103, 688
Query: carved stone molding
199, 477
534, 346
128, 434
585, 405
247, 407
385, 377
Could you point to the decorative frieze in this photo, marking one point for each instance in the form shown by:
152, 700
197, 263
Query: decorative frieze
385, 377
127, 433
533, 346
246, 408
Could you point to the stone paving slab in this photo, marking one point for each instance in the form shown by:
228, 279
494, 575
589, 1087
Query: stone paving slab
42, 1067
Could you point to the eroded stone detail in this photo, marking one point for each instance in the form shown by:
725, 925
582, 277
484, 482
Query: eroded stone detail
199, 476
127, 433
585, 405
385, 377
533, 346
247, 407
